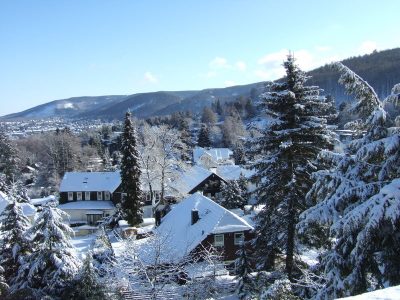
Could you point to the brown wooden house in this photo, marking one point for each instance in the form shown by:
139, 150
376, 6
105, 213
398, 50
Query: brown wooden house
198, 221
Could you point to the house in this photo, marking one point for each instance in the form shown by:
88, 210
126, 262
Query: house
212, 157
198, 222
197, 179
87, 197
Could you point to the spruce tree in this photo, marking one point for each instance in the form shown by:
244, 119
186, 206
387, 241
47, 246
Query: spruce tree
130, 174
86, 284
232, 195
9, 160
203, 139
53, 263
15, 246
243, 268
283, 160
359, 201
3, 284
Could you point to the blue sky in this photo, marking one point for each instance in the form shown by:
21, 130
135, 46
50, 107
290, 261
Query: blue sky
59, 49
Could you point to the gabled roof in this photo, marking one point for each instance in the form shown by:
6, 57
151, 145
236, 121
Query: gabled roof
191, 178
216, 154
90, 181
184, 237
233, 172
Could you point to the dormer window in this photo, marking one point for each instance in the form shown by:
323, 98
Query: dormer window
239, 238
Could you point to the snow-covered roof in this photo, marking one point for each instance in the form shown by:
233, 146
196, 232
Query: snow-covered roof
90, 181
87, 205
217, 154
176, 226
232, 172
190, 179
27, 208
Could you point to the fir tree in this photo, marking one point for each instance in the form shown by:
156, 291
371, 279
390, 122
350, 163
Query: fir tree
203, 139
52, 264
239, 154
103, 253
3, 284
243, 268
284, 155
358, 200
130, 174
14, 247
86, 285
232, 195
8, 158
186, 140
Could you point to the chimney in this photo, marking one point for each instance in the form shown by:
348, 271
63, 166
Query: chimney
195, 216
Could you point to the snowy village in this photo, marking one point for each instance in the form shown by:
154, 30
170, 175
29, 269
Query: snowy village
286, 188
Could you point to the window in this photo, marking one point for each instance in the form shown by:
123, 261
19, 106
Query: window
107, 196
99, 196
219, 240
87, 195
239, 238
93, 219
79, 196
70, 196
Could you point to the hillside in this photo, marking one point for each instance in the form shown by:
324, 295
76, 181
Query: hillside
380, 69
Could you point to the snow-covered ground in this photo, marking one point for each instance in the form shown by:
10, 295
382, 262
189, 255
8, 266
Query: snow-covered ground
83, 243
391, 293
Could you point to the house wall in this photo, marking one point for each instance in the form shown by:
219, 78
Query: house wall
210, 187
114, 197
75, 215
229, 249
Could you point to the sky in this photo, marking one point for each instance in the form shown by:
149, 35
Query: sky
53, 50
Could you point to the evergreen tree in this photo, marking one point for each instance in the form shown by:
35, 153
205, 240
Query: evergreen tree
103, 253
284, 155
186, 140
52, 264
244, 285
358, 200
14, 247
130, 174
239, 154
232, 195
3, 284
203, 139
9, 160
86, 285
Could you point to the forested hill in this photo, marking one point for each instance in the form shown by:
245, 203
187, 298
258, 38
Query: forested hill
380, 69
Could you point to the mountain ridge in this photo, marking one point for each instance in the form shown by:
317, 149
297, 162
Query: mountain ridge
381, 69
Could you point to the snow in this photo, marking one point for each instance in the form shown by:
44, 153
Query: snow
178, 232
42, 201
217, 154
190, 179
87, 205
27, 208
233, 172
83, 243
90, 181
391, 293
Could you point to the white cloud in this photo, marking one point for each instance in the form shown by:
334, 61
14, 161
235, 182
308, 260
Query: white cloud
229, 83
367, 47
219, 63
150, 78
241, 65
